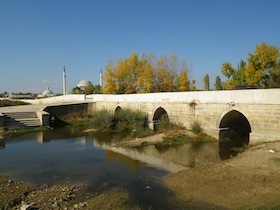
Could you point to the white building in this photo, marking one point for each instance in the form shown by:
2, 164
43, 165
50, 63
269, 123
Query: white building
83, 84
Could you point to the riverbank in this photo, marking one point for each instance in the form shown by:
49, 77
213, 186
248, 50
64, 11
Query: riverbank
249, 180
19, 195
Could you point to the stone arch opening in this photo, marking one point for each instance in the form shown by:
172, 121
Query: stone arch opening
118, 108
159, 113
234, 132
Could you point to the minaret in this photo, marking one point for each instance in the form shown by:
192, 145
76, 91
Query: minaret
101, 79
64, 81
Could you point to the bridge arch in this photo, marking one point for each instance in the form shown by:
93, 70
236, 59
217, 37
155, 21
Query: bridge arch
157, 116
234, 131
117, 109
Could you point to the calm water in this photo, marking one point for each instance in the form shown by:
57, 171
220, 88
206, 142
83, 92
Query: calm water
58, 156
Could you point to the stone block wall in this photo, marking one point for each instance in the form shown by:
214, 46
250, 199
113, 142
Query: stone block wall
264, 119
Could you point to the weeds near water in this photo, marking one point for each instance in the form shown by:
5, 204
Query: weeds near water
196, 127
102, 120
239, 149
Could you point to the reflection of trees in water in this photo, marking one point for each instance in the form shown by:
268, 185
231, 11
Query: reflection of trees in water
2, 144
114, 156
194, 152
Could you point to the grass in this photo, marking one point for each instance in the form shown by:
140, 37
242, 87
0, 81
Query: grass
276, 160
12, 132
7, 102
185, 139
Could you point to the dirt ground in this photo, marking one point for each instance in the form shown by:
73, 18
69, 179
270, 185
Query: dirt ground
250, 180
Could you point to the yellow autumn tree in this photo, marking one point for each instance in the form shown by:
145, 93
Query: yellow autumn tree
145, 78
183, 82
145, 75
259, 64
110, 80
253, 76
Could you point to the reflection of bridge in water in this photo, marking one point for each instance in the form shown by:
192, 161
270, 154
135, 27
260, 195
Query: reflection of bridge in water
172, 159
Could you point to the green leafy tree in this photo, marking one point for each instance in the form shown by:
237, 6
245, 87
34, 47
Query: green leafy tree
206, 82
218, 83
89, 89
227, 70
77, 90
274, 72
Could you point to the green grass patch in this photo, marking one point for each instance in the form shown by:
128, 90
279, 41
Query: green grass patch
185, 139
239, 149
12, 132
7, 102
276, 160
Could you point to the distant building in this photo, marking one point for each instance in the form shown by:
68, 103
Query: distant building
46, 93
83, 84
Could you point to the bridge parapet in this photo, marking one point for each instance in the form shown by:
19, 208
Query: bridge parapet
259, 96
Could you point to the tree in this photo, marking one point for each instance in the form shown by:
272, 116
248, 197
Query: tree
274, 72
77, 90
145, 74
227, 70
89, 89
259, 64
183, 81
218, 83
206, 82
110, 79
193, 85
145, 79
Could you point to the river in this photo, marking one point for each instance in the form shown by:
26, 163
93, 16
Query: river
60, 155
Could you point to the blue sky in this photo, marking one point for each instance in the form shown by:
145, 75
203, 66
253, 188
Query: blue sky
39, 37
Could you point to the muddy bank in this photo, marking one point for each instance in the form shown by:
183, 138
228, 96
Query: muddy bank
252, 179
19, 195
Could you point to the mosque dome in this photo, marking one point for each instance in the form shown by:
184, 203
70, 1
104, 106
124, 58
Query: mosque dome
83, 84
46, 93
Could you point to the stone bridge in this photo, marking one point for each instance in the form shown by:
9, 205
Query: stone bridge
253, 114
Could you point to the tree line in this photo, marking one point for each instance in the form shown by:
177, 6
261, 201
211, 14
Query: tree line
147, 73
261, 69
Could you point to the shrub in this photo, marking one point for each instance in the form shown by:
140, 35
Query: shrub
164, 123
128, 120
196, 127
102, 120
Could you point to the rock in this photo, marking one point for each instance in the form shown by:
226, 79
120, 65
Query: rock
271, 151
26, 206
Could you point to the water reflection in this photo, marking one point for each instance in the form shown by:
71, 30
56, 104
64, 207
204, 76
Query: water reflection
230, 141
174, 159
2, 144
59, 156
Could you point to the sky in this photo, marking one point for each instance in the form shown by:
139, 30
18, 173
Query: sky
39, 37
